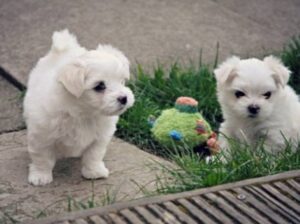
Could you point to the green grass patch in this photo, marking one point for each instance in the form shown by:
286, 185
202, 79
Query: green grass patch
71, 203
159, 89
291, 58
247, 162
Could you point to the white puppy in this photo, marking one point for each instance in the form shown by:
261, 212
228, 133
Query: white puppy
257, 102
72, 105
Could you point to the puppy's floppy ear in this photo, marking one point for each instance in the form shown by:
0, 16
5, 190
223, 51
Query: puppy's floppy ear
72, 77
281, 73
226, 71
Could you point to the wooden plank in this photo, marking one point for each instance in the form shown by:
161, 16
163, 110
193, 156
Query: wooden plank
181, 216
272, 203
147, 215
80, 221
288, 190
261, 207
225, 206
250, 212
97, 219
272, 195
164, 215
159, 199
130, 216
196, 212
202, 203
294, 184
281, 197
116, 218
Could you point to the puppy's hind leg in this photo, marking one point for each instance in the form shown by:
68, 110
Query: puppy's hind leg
40, 170
93, 166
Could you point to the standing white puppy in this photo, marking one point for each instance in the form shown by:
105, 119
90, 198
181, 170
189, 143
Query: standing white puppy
72, 105
257, 102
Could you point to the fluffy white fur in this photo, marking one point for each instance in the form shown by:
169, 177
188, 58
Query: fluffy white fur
65, 115
275, 116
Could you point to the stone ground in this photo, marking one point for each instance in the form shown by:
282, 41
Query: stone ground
10, 107
131, 170
147, 31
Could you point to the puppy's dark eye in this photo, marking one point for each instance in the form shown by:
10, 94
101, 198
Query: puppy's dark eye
100, 87
267, 95
239, 94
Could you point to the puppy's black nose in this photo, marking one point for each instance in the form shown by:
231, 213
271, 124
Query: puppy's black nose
253, 109
122, 100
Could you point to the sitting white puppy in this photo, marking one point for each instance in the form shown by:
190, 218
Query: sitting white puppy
72, 105
257, 102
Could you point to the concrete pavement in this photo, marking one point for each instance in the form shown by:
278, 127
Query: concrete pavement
130, 168
10, 107
146, 31
279, 16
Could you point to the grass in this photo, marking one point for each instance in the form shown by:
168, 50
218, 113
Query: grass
71, 204
291, 58
158, 90
7, 218
8, 213
193, 173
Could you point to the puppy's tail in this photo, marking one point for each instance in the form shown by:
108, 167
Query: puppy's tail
63, 41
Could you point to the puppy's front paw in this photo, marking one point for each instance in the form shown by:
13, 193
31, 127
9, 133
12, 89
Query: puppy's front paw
95, 172
39, 178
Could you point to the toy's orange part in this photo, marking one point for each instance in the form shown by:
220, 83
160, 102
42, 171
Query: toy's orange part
184, 100
214, 135
213, 145
199, 122
211, 142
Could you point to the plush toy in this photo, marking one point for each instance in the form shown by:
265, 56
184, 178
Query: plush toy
184, 125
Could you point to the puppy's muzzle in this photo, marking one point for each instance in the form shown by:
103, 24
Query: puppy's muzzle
253, 109
122, 100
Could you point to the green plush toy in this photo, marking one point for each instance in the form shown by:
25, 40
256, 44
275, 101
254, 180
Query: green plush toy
184, 125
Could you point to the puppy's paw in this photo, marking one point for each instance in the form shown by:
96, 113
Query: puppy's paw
39, 178
95, 172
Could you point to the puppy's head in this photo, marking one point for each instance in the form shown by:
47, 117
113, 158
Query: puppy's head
250, 88
96, 81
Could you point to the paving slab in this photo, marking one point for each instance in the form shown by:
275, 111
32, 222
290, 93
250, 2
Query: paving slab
130, 170
146, 31
282, 16
10, 107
